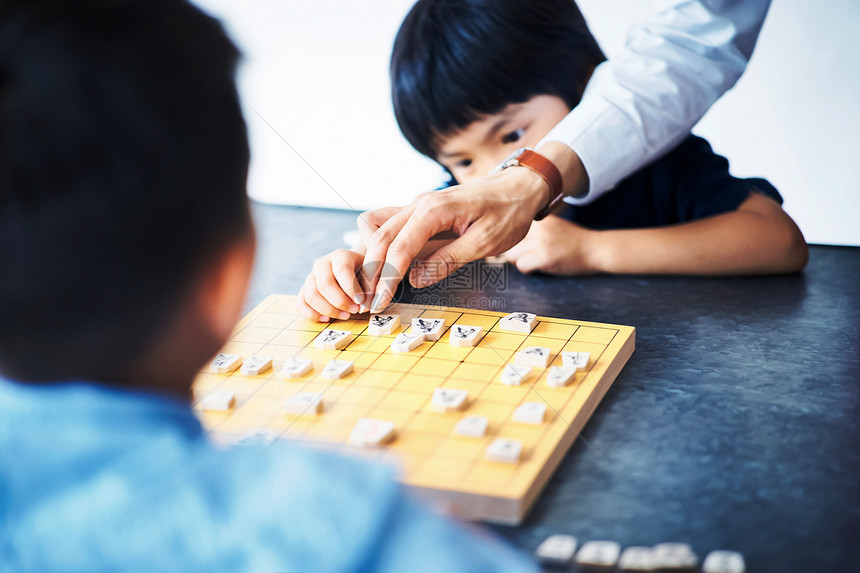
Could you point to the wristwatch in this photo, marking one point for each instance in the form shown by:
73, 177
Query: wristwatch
527, 157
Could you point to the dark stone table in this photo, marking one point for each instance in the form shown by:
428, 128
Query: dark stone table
735, 425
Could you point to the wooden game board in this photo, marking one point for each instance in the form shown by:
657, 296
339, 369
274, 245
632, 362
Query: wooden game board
436, 463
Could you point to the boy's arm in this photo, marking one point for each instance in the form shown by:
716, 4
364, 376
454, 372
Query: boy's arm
757, 238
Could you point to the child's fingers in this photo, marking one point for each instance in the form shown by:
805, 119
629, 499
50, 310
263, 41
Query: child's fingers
318, 300
306, 311
515, 252
343, 266
530, 261
330, 290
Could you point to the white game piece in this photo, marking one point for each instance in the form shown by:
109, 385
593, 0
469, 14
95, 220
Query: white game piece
220, 401
406, 342
256, 364
560, 376
382, 324
472, 426
636, 558
462, 335
431, 328
674, 557
448, 399
225, 363
304, 403
556, 550
530, 413
370, 433
504, 450
331, 339
598, 554
723, 561
578, 360
296, 367
537, 356
256, 437
515, 374
336, 369
523, 322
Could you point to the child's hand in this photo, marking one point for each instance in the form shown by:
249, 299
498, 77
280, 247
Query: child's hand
554, 246
332, 287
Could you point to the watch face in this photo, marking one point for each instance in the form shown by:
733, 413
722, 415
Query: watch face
511, 160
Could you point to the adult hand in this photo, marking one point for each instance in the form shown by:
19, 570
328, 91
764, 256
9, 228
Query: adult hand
489, 216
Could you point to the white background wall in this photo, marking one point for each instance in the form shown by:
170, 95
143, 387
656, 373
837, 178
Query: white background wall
315, 89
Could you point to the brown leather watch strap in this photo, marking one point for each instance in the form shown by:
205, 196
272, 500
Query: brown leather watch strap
550, 173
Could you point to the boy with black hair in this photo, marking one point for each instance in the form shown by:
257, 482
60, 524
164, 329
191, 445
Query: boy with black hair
125, 249
475, 80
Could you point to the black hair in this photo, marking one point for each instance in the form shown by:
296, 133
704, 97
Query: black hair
123, 162
456, 60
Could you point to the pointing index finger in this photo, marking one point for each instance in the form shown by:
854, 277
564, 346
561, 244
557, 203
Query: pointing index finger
407, 234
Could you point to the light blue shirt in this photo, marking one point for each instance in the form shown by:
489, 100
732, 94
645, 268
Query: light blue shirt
97, 479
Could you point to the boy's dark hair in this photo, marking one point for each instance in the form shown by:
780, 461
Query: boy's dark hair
123, 161
455, 60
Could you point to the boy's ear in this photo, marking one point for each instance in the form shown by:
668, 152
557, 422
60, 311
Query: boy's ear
223, 287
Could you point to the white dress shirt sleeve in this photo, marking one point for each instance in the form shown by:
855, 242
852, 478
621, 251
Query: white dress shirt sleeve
643, 101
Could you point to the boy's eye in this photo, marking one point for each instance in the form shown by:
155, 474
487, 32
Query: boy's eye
514, 136
463, 163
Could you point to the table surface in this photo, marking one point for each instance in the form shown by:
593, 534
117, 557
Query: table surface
735, 425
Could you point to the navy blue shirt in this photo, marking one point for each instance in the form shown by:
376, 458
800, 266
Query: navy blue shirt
690, 182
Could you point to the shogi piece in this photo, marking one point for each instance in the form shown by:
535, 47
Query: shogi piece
724, 562
598, 554
472, 427
382, 324
556, 550
560, 376
448, 399
530, 413
463, 335
537, 356
304, 403
336, 369
504, 450
256, 364
578, 360
371, 433
430, 328
674, 557
220, 401
404, 342
331, 339
224, 363
296, 368
515, 374
636, 559
523, 322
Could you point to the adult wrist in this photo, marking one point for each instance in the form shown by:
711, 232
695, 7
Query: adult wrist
575, 179
542, 167
528, 189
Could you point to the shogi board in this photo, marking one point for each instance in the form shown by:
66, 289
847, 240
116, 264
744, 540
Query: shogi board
435, 463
